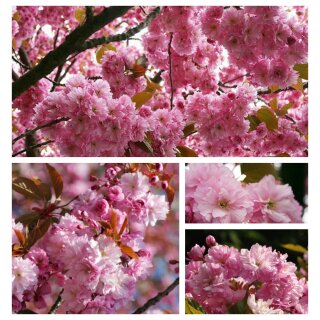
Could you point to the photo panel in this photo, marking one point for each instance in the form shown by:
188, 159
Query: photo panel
170, 81
246, 193
243, 271
89, 238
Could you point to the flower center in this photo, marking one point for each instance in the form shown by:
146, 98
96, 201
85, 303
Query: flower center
271, 205
223, 204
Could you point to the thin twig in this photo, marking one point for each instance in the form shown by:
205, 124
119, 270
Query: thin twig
56, 39
42, 126
66, 70
24, 57
57, 78
268, 91
56, 305
32, 147
64, 205
236, 78
151, 302
170, 70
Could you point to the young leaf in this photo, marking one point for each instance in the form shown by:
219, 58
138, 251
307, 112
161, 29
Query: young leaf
100, 52
274, 88
265, 115
56, 180
302, 70
254, 122
18, 250
298, 86
142, 98
145, 146
38, 232
170, 193
189, 309
123, 227
294, 247
128, 251
80, 15
274, 104
256, 171
189, 130
139, 68
20, 236
27, 188
284, 109
44, 188
184, 151
28, 218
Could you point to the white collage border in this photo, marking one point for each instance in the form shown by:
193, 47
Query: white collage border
313, 161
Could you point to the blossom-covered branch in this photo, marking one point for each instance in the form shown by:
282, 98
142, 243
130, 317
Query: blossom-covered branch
73, 43
92, 43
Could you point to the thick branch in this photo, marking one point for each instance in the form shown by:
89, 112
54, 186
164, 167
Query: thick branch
46, 125
151, 302
122, 36
73, 43
268, 91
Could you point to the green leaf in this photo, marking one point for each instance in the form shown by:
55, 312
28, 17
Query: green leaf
302, 69
28, 218
190, 307
265, 115
188, 130
240, 307
184, 151
254, 122
256, 171
284, 109
294, 247
56, 180
27, 188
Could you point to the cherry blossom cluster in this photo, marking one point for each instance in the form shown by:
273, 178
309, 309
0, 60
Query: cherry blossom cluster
99, 125
258, 280
214, 195
93, 255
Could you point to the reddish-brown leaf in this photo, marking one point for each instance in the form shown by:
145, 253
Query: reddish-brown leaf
20, 236
170, 193
128, 251
27, 188
123, 227
56, 180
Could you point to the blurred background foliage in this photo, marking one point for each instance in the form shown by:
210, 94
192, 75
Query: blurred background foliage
247, 238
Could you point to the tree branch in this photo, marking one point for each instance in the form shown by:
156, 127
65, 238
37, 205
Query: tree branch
170, 70
30, 148
46, 125
122, 36
73, 43
151, 302
268, 91
56, 305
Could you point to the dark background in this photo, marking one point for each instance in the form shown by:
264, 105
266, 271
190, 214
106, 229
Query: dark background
247, 238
